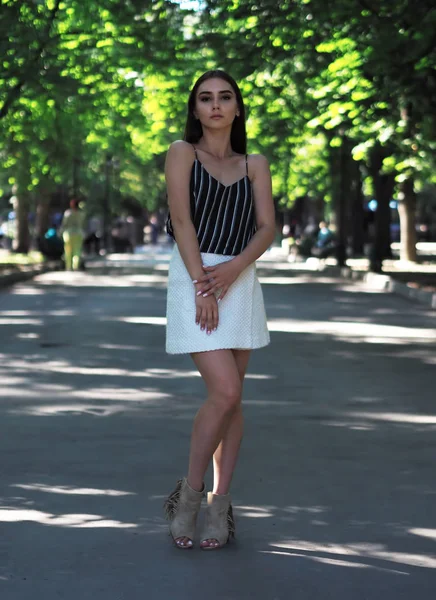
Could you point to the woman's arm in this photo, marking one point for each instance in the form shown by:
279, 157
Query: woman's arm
264, 211
178, 166
65, 221
222, 276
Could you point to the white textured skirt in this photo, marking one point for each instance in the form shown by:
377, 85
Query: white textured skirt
242, 319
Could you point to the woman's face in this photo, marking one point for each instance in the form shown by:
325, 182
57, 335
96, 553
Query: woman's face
215, 104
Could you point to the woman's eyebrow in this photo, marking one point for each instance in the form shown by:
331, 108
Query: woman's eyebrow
220, 92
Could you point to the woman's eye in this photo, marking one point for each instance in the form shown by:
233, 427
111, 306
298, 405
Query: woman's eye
205, 99
226, 97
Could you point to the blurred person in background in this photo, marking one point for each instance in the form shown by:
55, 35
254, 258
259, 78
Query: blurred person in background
72, 228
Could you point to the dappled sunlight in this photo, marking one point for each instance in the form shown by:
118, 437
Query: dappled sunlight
313, 510
26, 290
269, 403
355, 288
52, 387
21, 321
28, 336
369, 421
17, 313
28, 313
149, 279
116, 347
70, 490
419, 354
384, 311
395, 417
330, 561
69, 408
64, 367
11, 381
359, 550
293, 280
272, 511
366, 332
353, 319
425, 533
138, 320
91, 280
16, 393
79, 521
255, 512
118, 257
89, 398
123, 394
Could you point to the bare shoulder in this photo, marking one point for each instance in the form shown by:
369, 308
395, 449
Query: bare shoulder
258, 165
180, 150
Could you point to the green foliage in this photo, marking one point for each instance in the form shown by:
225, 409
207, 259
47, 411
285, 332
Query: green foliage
73, 88
364, 69
81, 81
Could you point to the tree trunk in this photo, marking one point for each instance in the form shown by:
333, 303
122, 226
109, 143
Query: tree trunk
357, 212
21, 243
343, 197
76, 176
383, 186
406, 211
334, 167
42, 216
340, 186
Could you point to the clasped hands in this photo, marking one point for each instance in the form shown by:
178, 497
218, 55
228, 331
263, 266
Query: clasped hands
216, 279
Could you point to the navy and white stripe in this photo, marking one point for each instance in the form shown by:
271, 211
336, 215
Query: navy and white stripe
223, 215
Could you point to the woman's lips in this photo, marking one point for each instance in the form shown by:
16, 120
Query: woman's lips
216, 117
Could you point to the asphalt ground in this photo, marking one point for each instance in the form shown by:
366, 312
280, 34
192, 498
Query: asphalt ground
334, 495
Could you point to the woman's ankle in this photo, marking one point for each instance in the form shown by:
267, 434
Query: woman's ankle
220, 491
195, 484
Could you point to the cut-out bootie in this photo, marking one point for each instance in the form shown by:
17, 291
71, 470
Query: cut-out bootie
181, 509
219, 524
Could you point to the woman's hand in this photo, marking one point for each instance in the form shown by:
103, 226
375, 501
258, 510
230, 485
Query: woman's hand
219, 277
206, 314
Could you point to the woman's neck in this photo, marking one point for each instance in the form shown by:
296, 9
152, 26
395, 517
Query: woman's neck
216, 143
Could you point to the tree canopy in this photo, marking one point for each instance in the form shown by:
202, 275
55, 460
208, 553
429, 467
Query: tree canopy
84, 83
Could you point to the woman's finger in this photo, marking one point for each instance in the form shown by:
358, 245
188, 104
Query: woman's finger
215, 317
202, 279
211, 321
223, 293
210, 289
197, 315
203, 319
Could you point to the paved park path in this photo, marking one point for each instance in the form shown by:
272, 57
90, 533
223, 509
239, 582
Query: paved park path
335, 492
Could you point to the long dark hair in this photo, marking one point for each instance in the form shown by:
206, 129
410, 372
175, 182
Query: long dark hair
193, 128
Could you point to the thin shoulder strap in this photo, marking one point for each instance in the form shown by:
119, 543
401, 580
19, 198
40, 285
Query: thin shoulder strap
195, 150
246, 164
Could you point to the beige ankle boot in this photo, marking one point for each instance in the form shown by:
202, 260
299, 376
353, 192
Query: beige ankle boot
181, 509
219, 523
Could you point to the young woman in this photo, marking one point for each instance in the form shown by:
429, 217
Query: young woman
72, 233
222, 219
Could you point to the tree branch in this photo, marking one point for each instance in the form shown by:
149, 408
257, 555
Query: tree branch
15, 91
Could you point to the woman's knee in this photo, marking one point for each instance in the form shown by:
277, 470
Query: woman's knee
228, 396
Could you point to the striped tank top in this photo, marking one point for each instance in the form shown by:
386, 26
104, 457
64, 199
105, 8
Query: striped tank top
223, 215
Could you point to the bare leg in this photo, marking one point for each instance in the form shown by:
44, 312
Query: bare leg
219, 371
226, 455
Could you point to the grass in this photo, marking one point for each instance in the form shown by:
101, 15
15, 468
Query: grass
12, 259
